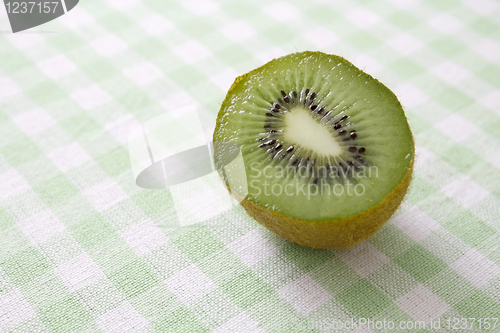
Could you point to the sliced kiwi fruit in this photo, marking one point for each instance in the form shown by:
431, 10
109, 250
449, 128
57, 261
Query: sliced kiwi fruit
327, 149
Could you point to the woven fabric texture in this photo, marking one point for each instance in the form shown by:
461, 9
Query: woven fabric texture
83, 249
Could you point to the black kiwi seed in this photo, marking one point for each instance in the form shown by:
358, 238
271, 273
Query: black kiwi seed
353, 135
278, 146
352, 149
283, 93
361, 150
262, 145
273, 131
276, 106
307, 92
342, 132
294, 94
320, 111
344, 118
271, 142
313, 96
313, 107
269, 114
357, 157
286, 99
275, 110
337, 126
289, 149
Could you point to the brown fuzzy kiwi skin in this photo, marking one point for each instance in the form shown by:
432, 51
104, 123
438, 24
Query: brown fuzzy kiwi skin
331, 234
334, 234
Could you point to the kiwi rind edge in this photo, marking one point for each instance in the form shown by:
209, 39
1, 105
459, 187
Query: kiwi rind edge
332, 234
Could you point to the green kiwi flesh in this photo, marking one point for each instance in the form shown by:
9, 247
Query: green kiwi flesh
321, 140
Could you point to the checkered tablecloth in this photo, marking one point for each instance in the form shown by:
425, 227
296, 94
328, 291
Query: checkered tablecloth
83, 249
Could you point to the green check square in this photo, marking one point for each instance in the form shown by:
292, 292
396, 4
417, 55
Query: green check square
198, 243
67, 315
470, 228
25, 266
134, 278
247, 290
420, 263
305, 258
479, 305
182, 320
55, 190
363, 299
93, 231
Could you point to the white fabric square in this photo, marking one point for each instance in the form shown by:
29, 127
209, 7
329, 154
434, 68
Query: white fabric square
122, 319
363, 18
364, 258
409, 95
122, 4
405, 43
34, 121
270, 54
422, 156
495, 159
155, 24
457, 128
79, 272
200, 199
450, 72
201, 7
415, 223
238, 31
476, 268
25, 41
488, 49
406, 4
225, 79
305, 295
189, 284
445, 23
105, 194
241, 323
178, 100
41, 227
465, 191
12, 184
108, 45
90, 96
122, 127
485, 7
492, 101
191, 52
422, 305
282, 11
252, 248
69, 156
14, 309
144, 237
143, 73
367, 63
8, 87
57, 66
79, 17
321, 37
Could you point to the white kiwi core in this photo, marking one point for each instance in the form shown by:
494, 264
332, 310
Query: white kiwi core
303, 130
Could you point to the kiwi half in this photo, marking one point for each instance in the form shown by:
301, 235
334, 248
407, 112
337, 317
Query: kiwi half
327, 149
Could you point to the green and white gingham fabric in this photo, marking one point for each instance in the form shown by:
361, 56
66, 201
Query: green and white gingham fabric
84, 249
